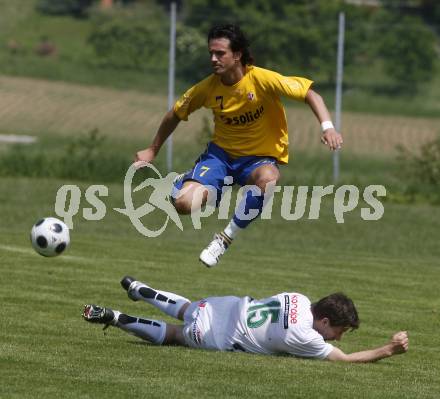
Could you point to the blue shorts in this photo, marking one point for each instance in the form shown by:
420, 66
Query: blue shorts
214, 165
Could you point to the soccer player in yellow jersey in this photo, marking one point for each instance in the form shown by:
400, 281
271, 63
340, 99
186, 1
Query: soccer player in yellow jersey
250, 135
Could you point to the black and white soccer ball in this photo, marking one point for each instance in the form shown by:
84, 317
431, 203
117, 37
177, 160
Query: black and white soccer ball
50, 237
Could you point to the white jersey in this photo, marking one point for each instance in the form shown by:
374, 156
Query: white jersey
279, 324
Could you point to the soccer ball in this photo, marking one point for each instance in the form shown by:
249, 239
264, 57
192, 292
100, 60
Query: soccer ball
50, 237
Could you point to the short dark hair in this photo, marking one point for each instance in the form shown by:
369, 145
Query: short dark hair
238, 40
339, 309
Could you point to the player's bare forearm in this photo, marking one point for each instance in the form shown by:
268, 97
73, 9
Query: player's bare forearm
167, 126
330, 136
367, 356
318, 106
398, 344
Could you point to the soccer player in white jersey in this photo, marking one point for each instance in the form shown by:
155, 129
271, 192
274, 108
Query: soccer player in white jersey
286, 323
250, 135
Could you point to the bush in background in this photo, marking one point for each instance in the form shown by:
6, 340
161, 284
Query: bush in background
191, 54
421, 171
133, 37
408, 51
77, 8
82, 158
426, 166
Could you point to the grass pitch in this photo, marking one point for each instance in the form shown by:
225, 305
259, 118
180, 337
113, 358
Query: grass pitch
390, 268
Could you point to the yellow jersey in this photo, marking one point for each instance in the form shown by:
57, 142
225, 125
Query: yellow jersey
249, 117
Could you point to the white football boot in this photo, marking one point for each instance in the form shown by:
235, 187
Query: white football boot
210, 256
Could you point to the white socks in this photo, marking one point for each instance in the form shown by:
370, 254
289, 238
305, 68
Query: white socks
151, 330
167, 302
232, 229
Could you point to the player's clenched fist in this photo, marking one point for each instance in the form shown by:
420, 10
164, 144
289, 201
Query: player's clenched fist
400, 342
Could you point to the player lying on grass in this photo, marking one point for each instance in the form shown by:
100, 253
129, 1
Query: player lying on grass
286, 323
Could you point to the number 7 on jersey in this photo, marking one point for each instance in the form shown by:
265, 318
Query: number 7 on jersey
204, 170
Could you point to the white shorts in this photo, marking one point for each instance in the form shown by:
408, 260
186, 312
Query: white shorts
211, 323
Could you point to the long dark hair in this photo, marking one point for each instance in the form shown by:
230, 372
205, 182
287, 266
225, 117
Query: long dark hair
238, 40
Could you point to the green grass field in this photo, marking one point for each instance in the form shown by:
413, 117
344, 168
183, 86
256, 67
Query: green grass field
390, 268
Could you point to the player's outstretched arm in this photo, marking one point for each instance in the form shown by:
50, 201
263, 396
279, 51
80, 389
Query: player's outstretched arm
397, 345
329, 136
167, 126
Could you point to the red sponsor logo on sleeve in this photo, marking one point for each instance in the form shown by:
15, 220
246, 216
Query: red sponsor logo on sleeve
293, 314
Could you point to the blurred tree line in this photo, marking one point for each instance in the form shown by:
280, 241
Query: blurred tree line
291, 36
